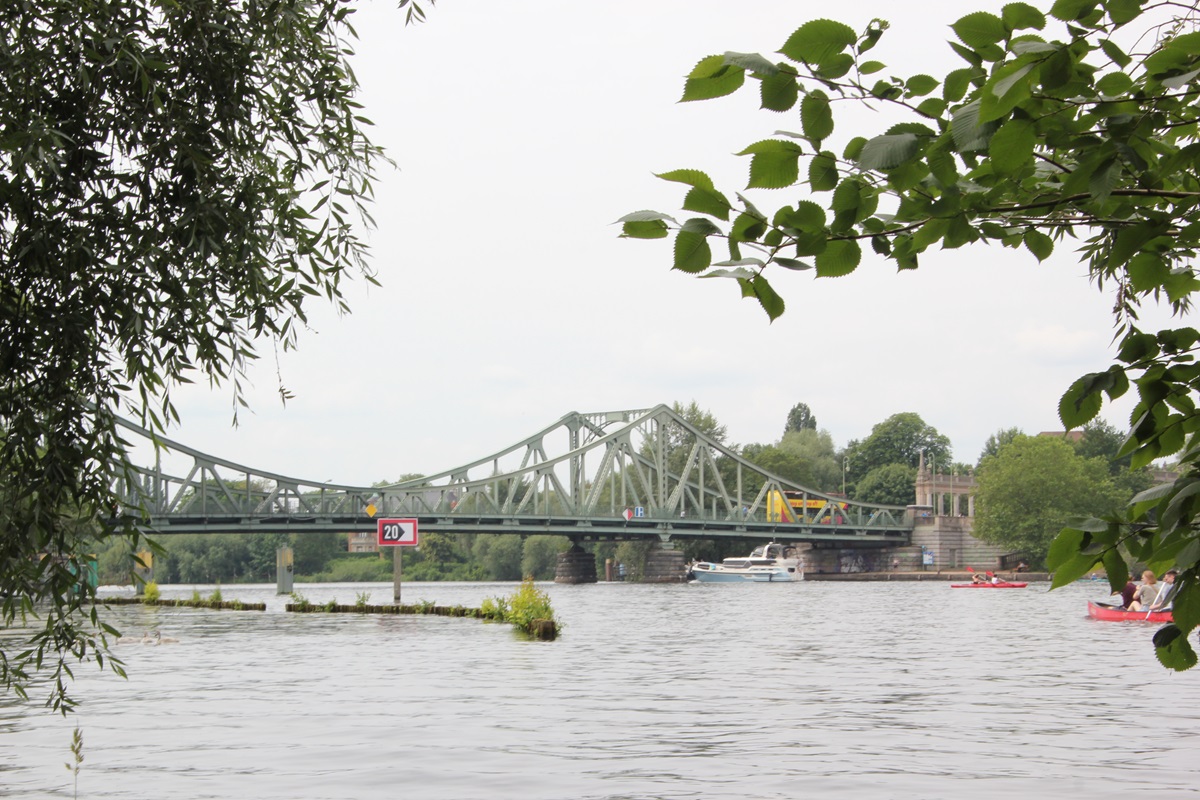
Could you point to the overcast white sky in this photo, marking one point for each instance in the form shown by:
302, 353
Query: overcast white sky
521, 132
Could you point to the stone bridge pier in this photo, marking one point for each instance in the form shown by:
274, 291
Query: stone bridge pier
664, 564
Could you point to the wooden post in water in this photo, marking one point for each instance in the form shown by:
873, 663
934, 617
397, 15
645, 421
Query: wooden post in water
398, 564
284, 568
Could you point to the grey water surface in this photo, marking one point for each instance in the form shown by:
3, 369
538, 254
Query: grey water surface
889, 690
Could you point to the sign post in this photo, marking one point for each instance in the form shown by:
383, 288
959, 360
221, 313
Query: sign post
397, 533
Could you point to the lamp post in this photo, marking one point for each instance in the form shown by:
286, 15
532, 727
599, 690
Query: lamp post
845, 467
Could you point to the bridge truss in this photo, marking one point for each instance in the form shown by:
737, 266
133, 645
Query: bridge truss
605, 475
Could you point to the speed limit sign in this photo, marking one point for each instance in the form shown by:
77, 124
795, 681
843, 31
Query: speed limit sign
397, 533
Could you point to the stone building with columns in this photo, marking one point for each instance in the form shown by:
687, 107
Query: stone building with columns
945, 514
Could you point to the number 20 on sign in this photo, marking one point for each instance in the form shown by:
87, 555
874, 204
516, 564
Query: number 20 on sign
397, 533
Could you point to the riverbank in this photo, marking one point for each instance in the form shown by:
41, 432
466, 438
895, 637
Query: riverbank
951, 576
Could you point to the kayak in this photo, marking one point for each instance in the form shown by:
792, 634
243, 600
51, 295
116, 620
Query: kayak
1001, 585
1113, 614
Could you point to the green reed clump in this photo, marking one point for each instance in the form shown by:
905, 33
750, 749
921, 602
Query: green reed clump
527, 609
150, 592
361, 599
494, 608
300, 601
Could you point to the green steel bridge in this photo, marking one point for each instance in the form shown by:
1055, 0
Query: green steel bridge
615, 475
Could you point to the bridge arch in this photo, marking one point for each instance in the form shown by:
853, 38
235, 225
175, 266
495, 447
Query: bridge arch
640, 473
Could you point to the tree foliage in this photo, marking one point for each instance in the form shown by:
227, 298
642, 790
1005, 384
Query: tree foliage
997, 441
891, 484
800, 418
1074, 124
1030, 489
899, 439
177, 181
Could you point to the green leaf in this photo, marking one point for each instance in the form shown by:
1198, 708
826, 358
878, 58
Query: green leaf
815, 42
920, 85
1064, 547
1024, 46
791, 263
1011, 148
712, 77
692, 253
779, 92
835, 66
980, 29
747, 227
1147, 271
841, 257
816, 118
888, 152
1114, 84
645, 225
808, 216
1106, 178
707, 201
1124, 11
692, 177
1179, 81
1113, 51
956, 84
1038, 243
1079, 404
753, 62
1173, 649
770, 301
870, 67
1021, 15
1008, 86
1071, 10
737, 274
971, 135
823, 172
932, 107
774, 164
650, 229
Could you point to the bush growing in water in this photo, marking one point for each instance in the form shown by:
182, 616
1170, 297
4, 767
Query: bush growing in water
150, 593
528, 609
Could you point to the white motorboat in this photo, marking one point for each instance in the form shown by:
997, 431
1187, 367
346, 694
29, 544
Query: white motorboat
768, 563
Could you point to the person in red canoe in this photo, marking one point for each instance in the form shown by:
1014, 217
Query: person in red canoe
1163, 601
1126, 594
977, 578
1145, 594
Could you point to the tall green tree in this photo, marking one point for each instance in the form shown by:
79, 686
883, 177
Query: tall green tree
1073, 123
899, 439
177, 182
998, 440
1028, 491
815, 447
800, 418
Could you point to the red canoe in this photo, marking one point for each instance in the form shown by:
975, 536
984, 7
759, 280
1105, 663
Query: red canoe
1097, 611
1001, 585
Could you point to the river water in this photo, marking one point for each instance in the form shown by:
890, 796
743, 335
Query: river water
896, 690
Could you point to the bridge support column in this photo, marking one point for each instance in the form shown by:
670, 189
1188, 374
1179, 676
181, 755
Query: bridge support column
575, 566
283, 569
665, 564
